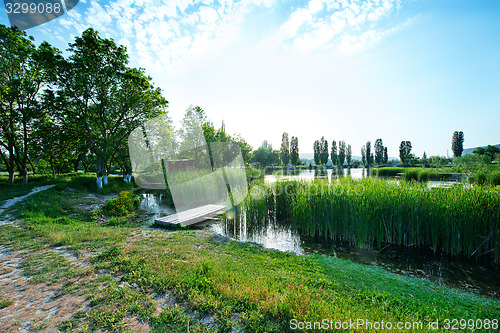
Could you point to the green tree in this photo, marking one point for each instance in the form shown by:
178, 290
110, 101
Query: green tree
294, 150
457, 143
285, 149
491, 151
24, 71
323, 151
317, 152
386, 156
404, 151
363, 155
348, 155
379, 151
342, 153
369, 155
103, 97
333, 154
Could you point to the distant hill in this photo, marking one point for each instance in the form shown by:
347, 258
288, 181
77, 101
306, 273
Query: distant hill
470, 150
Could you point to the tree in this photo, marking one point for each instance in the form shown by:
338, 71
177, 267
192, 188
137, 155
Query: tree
323, 151
386, 156
317, 152
369, 156
102, 97
285, 149
24, 71
348, 155
379, 151
363, 155
404, 151
491, 151
265, 155
457, 143
342, 153
294, 150
333, 154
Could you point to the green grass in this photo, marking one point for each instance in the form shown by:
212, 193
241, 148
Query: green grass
240, 284
5, 302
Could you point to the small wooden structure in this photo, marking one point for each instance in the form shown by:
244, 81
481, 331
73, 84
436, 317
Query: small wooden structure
191, 216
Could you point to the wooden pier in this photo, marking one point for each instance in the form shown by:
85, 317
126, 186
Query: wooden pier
191, 216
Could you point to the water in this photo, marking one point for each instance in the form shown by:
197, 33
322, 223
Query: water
477, 276
355, 173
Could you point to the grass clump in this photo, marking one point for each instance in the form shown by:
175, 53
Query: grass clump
458, 221
5, 302
125, 203
389, 171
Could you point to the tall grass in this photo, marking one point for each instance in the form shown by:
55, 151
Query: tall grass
457, 221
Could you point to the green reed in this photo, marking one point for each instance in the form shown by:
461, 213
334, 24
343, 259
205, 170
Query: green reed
457, 221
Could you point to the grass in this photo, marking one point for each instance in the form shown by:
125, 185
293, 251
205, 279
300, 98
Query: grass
458, 221
240, 284
5, 302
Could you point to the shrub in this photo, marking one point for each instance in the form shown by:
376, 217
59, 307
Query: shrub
122, 205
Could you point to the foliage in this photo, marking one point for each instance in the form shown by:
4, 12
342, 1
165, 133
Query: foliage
348, 155
369, 155
285, 149
122, 205
404, 151
491, 151
333, 153
379, 151
294, 150
265, 155
98, 95
317, 152
24, 70
457, 143
342, 153
323, 151
386, 156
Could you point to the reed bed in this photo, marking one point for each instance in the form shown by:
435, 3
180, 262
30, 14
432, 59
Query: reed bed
458, 221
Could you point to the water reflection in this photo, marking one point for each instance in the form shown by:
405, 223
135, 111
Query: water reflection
478, 276
320, 173
472, 275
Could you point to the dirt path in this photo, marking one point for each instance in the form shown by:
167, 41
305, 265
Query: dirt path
15, 200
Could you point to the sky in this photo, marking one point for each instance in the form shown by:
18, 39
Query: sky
353, 70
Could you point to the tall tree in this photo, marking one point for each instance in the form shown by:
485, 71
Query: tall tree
386, 156
294, 150
363, 155
457, 143
323, 151
24, 71
317, 152
103, 97
348, 155
379, 151
369, 155
342, 153
333, 154
404, 151
285, 149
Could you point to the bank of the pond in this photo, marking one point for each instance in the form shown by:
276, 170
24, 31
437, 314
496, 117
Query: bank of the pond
242, 285
235, 284
458, 220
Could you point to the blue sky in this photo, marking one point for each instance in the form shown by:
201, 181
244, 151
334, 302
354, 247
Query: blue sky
345, 69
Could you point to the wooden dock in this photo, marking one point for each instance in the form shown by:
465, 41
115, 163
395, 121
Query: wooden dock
191, 216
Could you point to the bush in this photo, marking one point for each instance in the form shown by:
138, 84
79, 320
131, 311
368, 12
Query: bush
122, 205
389, 171
494, 178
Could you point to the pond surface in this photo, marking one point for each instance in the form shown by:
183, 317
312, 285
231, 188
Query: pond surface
355, 173
477, 276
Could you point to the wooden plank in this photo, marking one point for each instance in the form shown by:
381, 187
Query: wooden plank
191, 216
